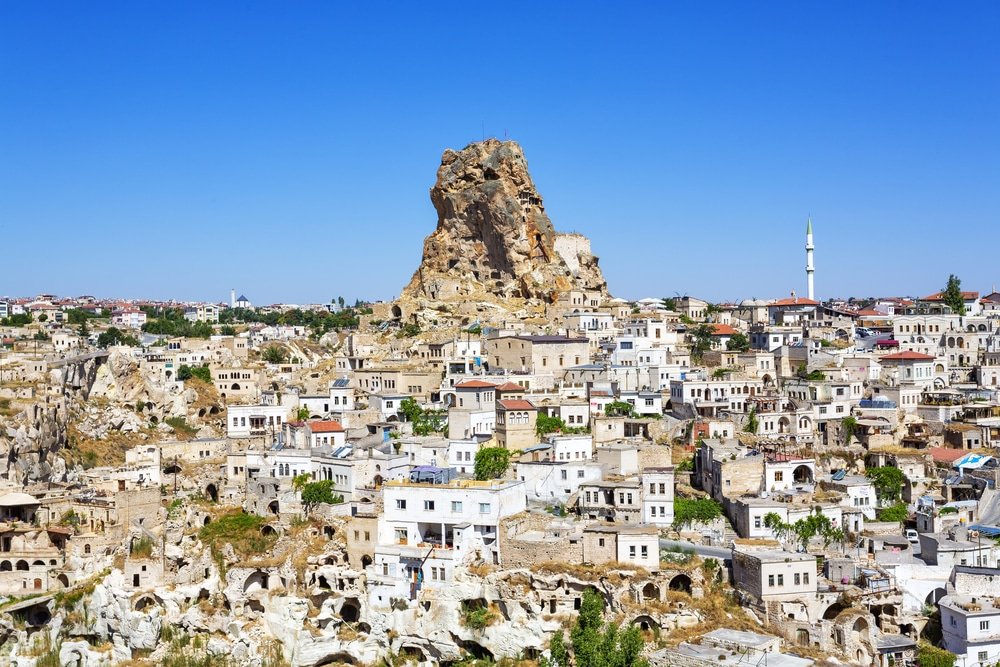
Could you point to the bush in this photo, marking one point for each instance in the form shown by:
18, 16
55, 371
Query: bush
181, 428
239, 529
315, 493
491, 463
202, 373
695, 510
142, 548
932, 656
275, 354
476, 615
896, 513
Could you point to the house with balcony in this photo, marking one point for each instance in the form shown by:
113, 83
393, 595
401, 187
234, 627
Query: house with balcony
255, 421
427, 529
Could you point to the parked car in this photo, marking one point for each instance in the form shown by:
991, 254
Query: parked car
912, 535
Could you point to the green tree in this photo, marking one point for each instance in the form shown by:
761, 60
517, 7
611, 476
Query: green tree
888, 483
695, 510
932, 656
227, 330
701, 340
299, 481
410, 410
115, 336
738, 342
316, 493
202, 373
598, 645
546, 424
952, 295
753, 424
491, 463
619, 409
43, 318
302, 413
669, 303
558, 653
275, 354
850, 426
83, 331
897, 513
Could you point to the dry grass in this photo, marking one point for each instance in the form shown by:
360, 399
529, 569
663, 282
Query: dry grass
718, 609
480, 569
91, 452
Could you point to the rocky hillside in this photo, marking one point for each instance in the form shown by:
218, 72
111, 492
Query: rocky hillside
494, 240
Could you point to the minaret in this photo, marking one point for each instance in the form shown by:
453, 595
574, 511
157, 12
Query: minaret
232, 298
809, 260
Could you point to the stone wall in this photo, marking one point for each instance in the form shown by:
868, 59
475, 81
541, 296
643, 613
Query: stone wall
525, 543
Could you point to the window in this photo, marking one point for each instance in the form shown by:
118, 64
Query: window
797, 582
428, 505
456, 506
983, 656
756, 522
781, 580
484, 508
385, 569
631, 551
770, 580
644, 551
401, 536
400, 504
779, 475
563, 474
805, 577
984, 625
600, 543
579, 474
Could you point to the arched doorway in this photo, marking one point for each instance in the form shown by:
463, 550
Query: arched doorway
681, 582
650, 592
272, 507
212, 493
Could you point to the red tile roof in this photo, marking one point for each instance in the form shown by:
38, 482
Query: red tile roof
909, 355
510, 386
475, 384
946, 454
723, 330
869, 312
326, 427
797, 301
967, 296
511, 404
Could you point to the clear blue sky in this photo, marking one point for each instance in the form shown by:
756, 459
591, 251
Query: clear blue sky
178, 149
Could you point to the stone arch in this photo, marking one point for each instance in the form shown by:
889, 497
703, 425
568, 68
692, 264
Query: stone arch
934, 596
86, 548
268, 529
329, 532
644, 622
208, 520
397, 312
650, 592
338, 659
212, 493
802, 474
834, 610
366, 560
272, 507
63, 580
235, 386
256, 581
38, 563
350, 610
681, 582
21, 566
476, 650
145, 601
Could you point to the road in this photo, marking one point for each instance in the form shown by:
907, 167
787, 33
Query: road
714, 552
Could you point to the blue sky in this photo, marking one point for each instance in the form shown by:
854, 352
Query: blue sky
178, 149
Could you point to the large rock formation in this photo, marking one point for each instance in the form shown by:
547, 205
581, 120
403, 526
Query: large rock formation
493, 240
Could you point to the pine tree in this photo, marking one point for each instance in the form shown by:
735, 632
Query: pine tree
952, 295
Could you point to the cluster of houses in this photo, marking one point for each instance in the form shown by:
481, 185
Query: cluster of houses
775, 410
